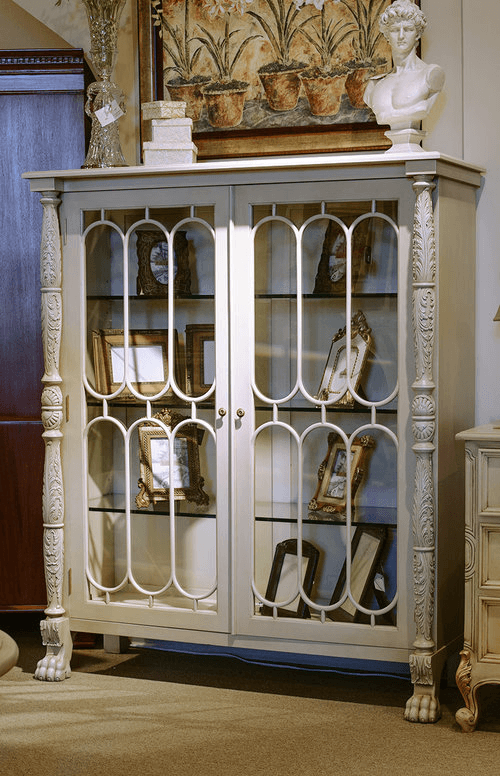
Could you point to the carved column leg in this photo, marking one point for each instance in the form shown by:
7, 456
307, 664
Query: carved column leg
55, 629
423, 706
468, 715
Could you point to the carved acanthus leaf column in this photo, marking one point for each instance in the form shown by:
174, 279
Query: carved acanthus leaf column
55, 629
423, 706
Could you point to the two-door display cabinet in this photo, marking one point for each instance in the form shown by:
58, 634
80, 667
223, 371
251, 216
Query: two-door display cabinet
254, 373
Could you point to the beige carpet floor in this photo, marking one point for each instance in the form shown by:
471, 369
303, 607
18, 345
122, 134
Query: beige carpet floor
150, 713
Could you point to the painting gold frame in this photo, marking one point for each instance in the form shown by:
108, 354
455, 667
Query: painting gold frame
331, 491
334, 380
199, 377
150, 354
321, 135
154, 457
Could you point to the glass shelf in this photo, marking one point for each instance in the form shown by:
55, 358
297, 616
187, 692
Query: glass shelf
118, 507
362, 515
357, 295
152, 512
146, 297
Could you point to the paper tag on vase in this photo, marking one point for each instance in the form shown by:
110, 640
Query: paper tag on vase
109, 113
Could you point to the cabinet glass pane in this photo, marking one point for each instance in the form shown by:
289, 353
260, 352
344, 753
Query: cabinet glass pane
150, 382
325, 396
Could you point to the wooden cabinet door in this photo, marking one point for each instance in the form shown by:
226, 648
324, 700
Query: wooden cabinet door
42, 107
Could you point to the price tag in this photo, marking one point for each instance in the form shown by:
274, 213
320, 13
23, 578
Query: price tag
109, 113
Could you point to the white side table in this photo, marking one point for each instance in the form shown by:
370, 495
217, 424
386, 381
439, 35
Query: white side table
480, 657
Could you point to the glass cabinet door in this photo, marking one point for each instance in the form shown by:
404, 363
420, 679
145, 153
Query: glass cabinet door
152, 443
323, 425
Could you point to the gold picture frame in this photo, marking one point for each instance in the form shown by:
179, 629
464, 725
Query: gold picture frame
148, 350
334, 380
268, 129
332, 488
154, 459
200, 358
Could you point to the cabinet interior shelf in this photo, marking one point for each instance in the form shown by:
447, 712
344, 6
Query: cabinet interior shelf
144, 297
187, 298
361, 516
358, 295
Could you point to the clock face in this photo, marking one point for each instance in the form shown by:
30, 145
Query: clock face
159, 262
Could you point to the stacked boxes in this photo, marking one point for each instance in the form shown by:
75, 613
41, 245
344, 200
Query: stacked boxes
171, 142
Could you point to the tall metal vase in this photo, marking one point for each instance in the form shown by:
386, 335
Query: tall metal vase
105, 101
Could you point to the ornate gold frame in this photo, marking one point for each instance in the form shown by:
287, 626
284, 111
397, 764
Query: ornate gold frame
333, 472
188, 438
335, 367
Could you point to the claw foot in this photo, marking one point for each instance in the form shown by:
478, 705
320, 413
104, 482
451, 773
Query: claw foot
422, 708
56, 636
52, 668
467, 719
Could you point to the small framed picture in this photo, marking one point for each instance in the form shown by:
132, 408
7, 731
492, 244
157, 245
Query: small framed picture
200, 357
152, 260
283, 578
335, 471
157, 477
333, 386
366, 548
147, 364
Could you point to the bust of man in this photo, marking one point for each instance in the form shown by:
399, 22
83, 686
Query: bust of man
405, 95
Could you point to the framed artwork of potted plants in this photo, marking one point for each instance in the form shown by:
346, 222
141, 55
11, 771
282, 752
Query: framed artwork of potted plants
266, 76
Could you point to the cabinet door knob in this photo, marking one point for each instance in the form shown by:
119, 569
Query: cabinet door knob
240, 412
222, 411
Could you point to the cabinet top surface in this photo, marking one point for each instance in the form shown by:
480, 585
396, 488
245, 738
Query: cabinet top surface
490, 432
333, 165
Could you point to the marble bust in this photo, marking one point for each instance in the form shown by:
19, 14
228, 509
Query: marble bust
405, 95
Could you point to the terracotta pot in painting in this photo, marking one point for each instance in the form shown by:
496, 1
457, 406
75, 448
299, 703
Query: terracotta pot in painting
324, 91
281, 86
358, 78
355, 85
225, 103
190, 93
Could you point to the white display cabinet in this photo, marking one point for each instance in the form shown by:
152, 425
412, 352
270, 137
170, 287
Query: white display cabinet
259, 454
